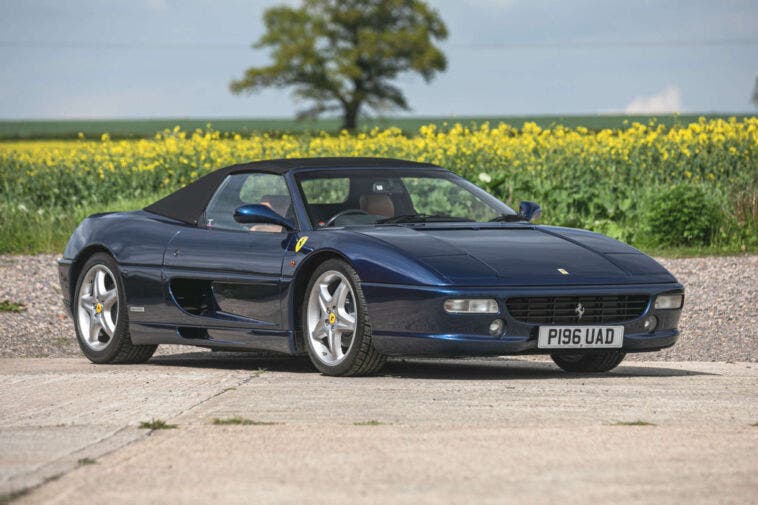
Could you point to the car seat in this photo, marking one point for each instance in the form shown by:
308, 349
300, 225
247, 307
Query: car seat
378, 205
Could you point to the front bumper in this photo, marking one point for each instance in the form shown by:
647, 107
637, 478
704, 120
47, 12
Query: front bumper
411, 321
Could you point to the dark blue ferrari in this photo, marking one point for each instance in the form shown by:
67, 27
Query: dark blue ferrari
352, 260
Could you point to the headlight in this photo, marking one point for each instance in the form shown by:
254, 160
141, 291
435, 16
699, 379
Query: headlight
669, 301
471, 306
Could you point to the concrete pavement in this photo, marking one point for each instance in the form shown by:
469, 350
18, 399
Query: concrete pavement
441, 431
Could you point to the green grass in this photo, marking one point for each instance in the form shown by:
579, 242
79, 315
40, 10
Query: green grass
86, 462
26, 231
372, 422
156, 424
633, 423
139, 128
9, 306
240, 421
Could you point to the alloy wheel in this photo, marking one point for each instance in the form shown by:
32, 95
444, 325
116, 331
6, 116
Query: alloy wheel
332, 317
97, 307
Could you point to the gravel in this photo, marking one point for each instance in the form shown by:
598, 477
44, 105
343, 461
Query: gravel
720, 320
44, 329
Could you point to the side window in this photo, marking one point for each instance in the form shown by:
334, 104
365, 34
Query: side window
241, 189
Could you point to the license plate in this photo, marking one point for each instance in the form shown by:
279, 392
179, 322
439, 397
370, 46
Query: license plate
580, 337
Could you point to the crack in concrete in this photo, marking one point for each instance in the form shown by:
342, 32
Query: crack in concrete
63, 465
217, 394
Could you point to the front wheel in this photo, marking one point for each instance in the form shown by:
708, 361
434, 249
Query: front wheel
336, 328
595, 362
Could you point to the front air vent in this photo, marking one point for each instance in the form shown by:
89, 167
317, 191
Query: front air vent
577, 309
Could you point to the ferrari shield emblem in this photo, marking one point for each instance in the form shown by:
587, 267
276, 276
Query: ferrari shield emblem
301, 243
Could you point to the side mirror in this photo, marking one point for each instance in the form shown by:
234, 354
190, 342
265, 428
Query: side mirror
529, 210
260, 214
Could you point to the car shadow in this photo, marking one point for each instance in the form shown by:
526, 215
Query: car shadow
253, 361
490, 368
504, 369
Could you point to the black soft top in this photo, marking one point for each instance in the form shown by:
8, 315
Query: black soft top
188, 203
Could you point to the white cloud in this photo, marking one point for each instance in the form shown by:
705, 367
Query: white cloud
668, 100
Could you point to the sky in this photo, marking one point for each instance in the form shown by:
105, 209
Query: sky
64, 59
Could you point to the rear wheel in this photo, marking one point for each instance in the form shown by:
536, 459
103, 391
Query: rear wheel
102, 324
336, 329
590, 362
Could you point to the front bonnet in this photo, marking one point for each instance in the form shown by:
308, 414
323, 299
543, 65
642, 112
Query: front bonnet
523, 255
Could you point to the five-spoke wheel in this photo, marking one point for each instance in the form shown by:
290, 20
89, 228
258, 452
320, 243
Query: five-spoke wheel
98, 307
335, 323
331, 317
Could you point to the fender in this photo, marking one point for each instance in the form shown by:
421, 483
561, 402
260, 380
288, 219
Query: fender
375, 261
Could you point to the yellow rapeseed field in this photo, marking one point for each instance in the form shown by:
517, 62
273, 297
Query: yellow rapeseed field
596, 179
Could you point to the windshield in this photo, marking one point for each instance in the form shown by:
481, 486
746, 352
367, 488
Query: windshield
382, 197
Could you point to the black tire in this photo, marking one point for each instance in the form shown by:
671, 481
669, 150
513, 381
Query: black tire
119, 348
362, 358
594, 362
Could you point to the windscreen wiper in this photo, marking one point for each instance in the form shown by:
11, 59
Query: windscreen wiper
508, 218
422, 218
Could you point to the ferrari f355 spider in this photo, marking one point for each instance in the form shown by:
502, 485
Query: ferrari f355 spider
352, 260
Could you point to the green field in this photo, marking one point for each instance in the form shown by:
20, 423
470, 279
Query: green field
686, 189
140, 128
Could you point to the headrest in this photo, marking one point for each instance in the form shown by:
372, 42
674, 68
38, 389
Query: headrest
380, 205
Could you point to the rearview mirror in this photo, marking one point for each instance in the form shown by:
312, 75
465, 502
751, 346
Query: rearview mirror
529, 210
261, 214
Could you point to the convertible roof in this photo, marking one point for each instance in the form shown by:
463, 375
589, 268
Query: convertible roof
187, 204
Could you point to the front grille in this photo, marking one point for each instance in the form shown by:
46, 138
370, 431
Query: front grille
566, 309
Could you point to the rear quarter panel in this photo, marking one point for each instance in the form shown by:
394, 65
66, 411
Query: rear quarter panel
132, 238
136, 240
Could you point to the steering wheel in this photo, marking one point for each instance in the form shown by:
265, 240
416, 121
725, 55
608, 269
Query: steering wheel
347, 212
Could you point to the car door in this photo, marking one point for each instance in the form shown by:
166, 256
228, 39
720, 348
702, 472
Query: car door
225, 277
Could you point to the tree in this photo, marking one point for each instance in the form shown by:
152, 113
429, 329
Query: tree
342, 55
755, 93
